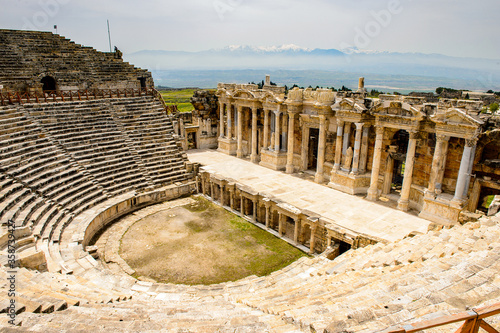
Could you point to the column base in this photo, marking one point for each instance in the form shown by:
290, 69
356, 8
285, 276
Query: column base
289, 169
372, 195
319, 178
239, 153
254, 158
403, 205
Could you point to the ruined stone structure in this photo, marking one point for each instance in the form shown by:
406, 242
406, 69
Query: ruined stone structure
198, 129
70, 168
34, 61
436, 158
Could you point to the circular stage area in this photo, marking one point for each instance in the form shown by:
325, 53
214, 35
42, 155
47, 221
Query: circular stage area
197, 242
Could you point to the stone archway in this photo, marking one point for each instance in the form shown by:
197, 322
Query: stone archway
49, 83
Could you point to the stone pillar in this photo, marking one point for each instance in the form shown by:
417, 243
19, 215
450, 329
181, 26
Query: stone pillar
464, 173
321, 149
313, 239
221, 120
347, 135
222, 195
357, 148
305, 147
229, 133
254, 201
296, 232
266, 130
231, 198
212, 190
239, 135
291, 139
242, 206
437, 164
253, 155
439, 182
377, 155
338, 146
277, 135
404, 201
363, 159
267, 204
280, 224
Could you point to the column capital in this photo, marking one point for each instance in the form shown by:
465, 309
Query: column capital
379, 130
414, 134
359, 126
471, 142
340, 123
254, 109
277, 112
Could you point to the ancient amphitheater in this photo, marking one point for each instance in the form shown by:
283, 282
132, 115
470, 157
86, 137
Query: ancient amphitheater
85, 140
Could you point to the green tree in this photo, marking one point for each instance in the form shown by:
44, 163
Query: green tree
494, 107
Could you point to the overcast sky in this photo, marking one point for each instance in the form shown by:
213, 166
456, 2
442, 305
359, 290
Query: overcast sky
451, 27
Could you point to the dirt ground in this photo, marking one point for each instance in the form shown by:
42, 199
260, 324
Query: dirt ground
202, 243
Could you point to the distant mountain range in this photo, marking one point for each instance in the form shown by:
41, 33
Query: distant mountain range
477, 74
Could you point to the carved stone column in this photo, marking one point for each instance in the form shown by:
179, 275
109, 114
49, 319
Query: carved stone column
267, 204
291, 140
296, 232
357, 148
254, 201
404, 201
221, 195
239, 150
305, 147
221, 120
266, 130
253, 155
231, 197
281, 217
242, 205
313, 239
377, 155
321, 149
347, 136
437, 164
464, 171
212, 195
338, 145
229, 112
364, 150
277, 132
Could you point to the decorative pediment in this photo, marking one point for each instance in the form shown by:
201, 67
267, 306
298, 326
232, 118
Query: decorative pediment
349, 105
269, 97
244, 94
456, 117
397, 108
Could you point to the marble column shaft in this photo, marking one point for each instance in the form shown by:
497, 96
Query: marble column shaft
377, 155
338, 145
437, 163
221, 120
266, 130
403, 202
321, 149
291, 139
253, 155
347, 135
239, 150
277, 132
357, 148
464, 173
363, 159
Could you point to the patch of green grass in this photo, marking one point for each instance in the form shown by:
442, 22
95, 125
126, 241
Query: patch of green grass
182, 98
488, 200
198, 206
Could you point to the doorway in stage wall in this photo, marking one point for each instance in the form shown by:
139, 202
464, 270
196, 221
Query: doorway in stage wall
400, 140
312, 160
